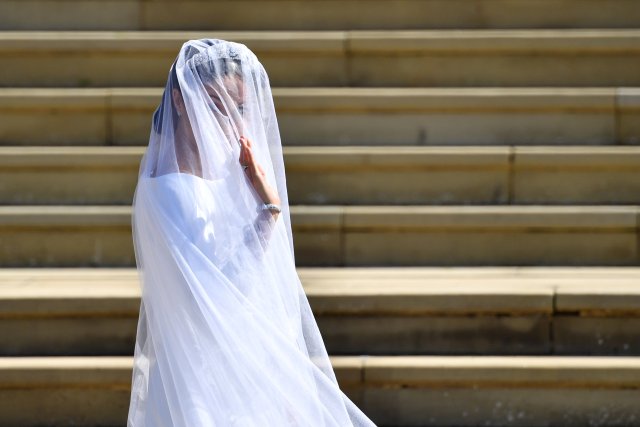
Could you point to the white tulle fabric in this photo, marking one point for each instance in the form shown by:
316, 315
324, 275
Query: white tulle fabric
226, 336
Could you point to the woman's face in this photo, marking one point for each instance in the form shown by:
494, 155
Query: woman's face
227, 90
227, 95
232, 90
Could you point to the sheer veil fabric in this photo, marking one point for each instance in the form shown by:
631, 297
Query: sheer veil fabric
226, 336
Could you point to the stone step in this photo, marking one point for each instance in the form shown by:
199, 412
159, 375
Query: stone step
449, 58
377, 310
353, 175
332, 235
391, 390
344, 116
316, 15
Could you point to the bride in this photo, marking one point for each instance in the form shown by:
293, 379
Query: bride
226, 336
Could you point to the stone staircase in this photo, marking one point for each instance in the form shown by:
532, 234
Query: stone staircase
464, 180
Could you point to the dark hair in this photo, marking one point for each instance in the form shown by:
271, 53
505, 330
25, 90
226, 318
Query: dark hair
207, 69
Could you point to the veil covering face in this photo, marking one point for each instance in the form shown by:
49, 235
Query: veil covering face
226, 336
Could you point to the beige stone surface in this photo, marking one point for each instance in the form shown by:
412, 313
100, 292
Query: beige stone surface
66, 236
81, 291
388, 175
348, 175
142, 58
629, 115
354, 235
586, 294
515, 300
475, 333
354, 175
377, 310
546, 57
478, 57
520, 407
576, 175
528, 390
541, 371
69, 175
479, 248
89, 391
598, 331
344, 116
314, 15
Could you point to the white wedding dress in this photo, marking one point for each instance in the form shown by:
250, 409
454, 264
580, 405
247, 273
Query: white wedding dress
226, 336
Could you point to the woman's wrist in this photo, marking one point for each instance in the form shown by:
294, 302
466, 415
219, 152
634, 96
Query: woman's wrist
273, 208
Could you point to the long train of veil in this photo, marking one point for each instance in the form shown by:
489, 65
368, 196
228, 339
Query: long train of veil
226, 336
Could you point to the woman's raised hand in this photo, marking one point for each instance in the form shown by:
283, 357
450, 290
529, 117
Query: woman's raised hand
256, 174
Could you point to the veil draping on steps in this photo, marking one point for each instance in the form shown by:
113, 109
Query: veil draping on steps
226, 336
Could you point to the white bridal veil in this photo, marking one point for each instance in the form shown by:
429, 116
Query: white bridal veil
226, 336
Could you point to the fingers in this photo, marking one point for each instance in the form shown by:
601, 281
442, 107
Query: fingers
254, 169
244, 144
247, 158
248, 154
245, 141
243, 151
